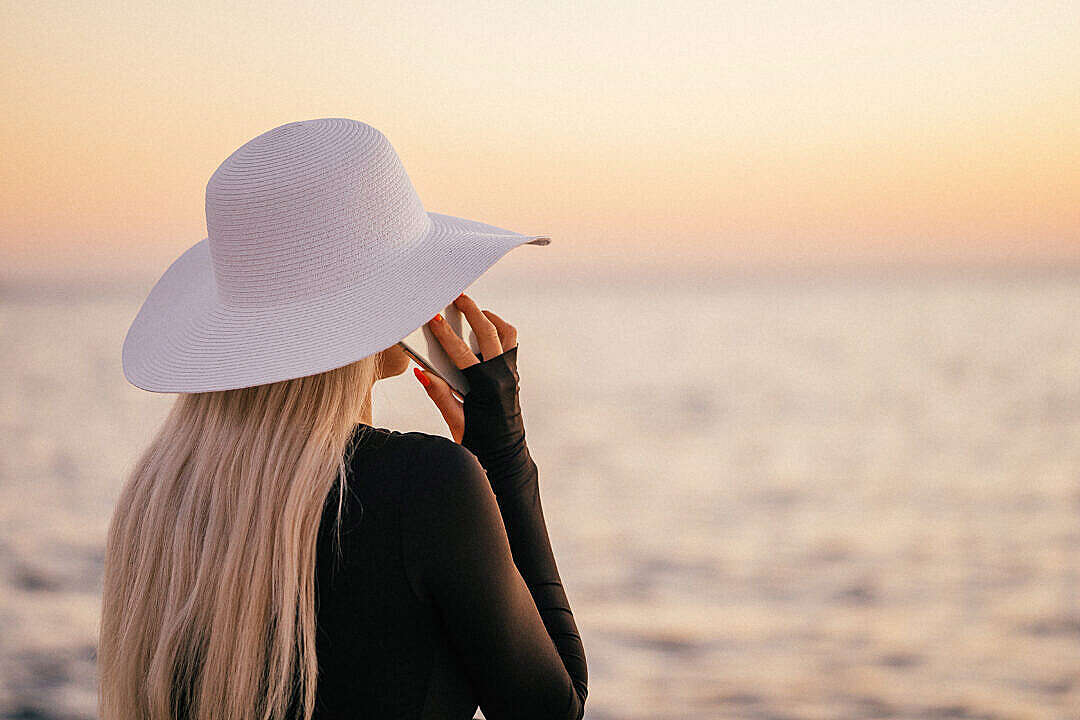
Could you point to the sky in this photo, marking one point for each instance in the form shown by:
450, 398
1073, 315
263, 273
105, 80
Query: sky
671, 134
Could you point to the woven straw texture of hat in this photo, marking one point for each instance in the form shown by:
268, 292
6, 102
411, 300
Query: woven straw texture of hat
319, 253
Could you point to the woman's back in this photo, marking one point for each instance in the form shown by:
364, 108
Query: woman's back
432, 607
381, 649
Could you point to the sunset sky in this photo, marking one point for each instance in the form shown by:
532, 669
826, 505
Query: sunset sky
701, 135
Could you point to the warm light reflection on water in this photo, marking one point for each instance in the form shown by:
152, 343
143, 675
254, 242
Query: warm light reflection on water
804, 499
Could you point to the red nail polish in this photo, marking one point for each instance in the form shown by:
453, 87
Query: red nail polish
437, 318
421, 376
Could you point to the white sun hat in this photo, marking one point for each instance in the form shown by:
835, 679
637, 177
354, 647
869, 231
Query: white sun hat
319, 253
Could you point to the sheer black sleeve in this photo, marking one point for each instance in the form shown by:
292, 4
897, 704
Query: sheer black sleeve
478, 545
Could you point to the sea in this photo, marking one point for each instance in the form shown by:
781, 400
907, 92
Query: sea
835, 495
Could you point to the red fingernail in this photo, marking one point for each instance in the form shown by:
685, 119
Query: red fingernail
421, 376
437, 318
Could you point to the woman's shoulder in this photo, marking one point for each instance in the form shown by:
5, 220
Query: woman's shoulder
418, 473
368, 441
440, 459
439, 472
419, 458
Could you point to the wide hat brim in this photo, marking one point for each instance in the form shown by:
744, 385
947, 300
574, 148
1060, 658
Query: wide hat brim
184, 339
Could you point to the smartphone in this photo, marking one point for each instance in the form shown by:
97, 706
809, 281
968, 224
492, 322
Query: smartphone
423, 347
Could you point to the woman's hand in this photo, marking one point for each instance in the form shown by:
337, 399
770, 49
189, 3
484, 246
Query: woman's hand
495, 335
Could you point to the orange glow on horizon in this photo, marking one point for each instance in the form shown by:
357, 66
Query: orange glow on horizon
779, 134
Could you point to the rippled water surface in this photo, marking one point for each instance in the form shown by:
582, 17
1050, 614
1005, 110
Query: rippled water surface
849, 498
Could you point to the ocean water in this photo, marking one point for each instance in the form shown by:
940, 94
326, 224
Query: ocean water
847, 497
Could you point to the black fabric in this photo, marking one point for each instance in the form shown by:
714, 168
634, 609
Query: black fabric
446, 595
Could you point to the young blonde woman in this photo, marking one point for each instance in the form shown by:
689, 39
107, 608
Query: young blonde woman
273, 553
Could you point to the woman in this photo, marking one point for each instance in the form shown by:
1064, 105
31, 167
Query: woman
274, 554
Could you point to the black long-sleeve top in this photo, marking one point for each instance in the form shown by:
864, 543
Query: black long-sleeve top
447, 596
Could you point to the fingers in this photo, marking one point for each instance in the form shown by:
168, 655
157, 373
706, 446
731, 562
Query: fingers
495, 335
449, 406
486, 332
507, 332
459, 351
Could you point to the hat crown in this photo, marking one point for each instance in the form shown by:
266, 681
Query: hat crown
307, 210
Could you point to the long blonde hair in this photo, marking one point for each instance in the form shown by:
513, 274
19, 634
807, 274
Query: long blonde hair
208, 610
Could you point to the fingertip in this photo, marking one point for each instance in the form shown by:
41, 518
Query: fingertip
422, 377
